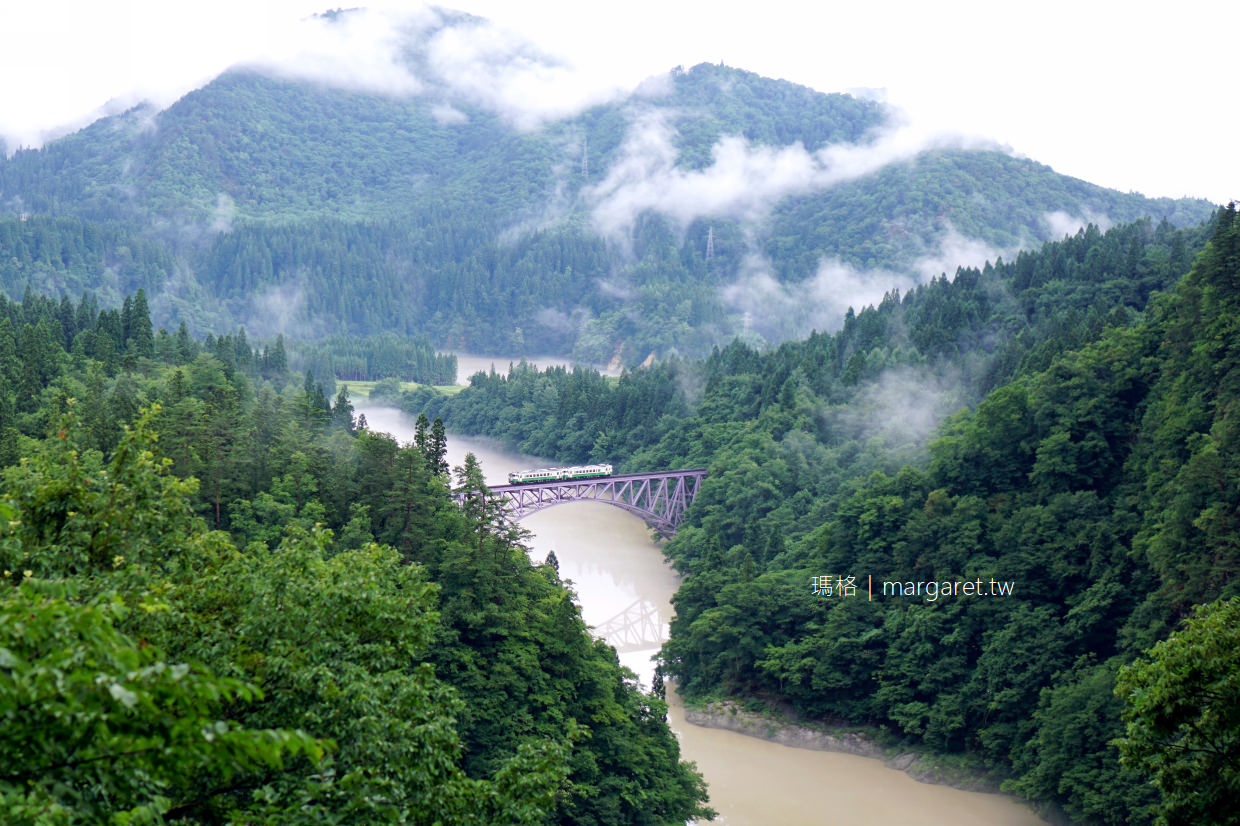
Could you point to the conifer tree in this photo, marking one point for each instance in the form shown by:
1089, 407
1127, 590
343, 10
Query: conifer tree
126, 321
276, 361
8, 350
438, 448
185, 345
140, 337
342, 410
84, 316
421, 439
38, 363
241, 350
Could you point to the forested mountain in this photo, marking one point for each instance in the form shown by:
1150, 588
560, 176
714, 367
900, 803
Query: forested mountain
700, 206
1092, 467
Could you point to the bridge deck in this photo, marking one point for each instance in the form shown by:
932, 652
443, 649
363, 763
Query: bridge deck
617, 477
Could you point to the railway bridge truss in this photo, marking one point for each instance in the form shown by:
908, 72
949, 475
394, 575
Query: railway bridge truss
660, 499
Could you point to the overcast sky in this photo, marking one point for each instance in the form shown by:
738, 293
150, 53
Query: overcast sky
1104, 91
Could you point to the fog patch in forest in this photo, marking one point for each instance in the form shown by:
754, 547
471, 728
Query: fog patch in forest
617, 289
552, 210
1061, 224
125, 182
778, 311
953, 251
140, 119
903, 405
690, 382
279, 309
564, 322
744, 180
445, 114
781, 310
225, 211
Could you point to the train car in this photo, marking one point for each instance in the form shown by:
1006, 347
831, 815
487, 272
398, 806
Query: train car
558, 474
585, 472
529, 477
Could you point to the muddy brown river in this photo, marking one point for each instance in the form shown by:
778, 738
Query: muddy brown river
624, 586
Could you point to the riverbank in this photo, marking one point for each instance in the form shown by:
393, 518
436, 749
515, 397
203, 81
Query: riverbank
923, 766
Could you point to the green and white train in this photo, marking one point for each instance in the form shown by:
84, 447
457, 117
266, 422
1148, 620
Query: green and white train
558, 474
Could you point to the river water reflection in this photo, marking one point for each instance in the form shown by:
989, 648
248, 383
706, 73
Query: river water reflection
624, 584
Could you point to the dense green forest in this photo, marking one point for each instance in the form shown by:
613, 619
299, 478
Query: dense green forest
1093, 465
375, 357
226, 600
297, 208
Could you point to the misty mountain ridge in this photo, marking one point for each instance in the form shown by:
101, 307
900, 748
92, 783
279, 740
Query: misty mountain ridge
449, 179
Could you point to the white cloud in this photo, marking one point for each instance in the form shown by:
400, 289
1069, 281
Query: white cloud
166, 50
469, 59
501, 71
63, 59
655, 86
82, 61
359, 49
743, 181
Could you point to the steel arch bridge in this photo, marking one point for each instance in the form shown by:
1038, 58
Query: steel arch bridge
660, 499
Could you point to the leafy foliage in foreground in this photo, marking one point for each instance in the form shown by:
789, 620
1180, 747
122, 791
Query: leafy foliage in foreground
1183, 716
100, 728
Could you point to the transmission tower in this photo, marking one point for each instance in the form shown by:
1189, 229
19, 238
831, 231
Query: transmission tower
710, 242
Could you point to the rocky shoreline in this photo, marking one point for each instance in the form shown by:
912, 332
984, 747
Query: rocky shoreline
918, 765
